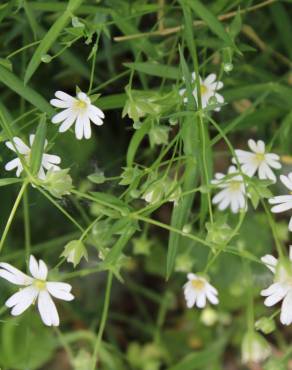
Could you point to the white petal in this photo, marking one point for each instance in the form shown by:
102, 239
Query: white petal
210, 79
33, 267
212, 297
270, 261
43, 270
252, 144
14, 275
60, 103
95, 119
261, 146
13, 164
67, 123
280, 199
96, 111
286, 311
286, 181
220, 196
282, 207
79, 128
201, 299
191, 276
290, 224
219, 98
21, 300
86, 127
64, 96
276, 296
224, 204
47, 309
60, 290
266, 173
59, 117
20, 146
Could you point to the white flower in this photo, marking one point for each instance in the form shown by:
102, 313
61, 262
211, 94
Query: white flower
258, 160
233, 193
78, 110
283, 202
48, 162
281, 287
209, 87
197, 291
35, 288
254, 348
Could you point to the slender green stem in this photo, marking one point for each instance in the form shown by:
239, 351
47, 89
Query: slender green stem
52, 200
12, 214
64, 344
27, 236
103, 319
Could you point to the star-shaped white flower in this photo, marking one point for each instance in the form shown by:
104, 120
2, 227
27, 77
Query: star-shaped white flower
197, 291
35, 288
281, 287
233, 193
209, 87
258, 161
283, 203
78, 110
48, 162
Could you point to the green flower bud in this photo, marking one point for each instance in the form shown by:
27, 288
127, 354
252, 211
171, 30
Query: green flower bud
209, 316
58, 183
183, 263
266, 325
154, 192
254, 348
74, 251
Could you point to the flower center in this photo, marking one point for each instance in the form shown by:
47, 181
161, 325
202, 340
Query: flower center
80, 104
198, 284
234, 185
204, 89
260, 157
40, 284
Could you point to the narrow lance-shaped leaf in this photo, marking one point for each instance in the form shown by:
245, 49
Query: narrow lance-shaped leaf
211, 21
38, 145
50, 38
14, 83
190, 136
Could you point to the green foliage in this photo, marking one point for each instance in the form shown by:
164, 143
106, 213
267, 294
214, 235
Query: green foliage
140, 216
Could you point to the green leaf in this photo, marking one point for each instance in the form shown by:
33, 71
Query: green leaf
38, 146
136, 141
50, 38
97, 177
156, 69
9, 181
211, 21
109, 200
14, 83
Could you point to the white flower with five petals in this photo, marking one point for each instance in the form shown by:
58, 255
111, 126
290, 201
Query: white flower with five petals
258, 161
233, 191
281, 289
197, 291
77, 110
282, 203
48, 162
209, 87
35, 288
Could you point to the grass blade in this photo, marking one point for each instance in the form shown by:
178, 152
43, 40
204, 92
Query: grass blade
50, 38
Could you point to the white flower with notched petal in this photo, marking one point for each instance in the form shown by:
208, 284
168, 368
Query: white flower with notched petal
197, 291
209, 87
281, 287
258, 161
78, 110
48, 162
35, 288
283, 203
233, 193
